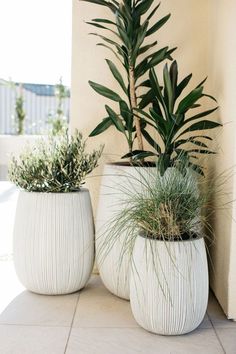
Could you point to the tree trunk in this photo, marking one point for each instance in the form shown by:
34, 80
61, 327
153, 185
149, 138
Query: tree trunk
133, 98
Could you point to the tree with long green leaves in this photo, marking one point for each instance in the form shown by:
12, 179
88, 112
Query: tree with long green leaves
130, 32
167, 116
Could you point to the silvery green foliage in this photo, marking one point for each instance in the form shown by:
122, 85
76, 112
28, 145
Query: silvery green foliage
165, 207
56, 165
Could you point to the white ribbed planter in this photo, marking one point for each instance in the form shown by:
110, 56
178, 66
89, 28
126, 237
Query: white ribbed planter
54, 241
114, 269
169, 285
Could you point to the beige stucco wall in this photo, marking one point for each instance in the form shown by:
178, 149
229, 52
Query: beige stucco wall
204, 32
222, 71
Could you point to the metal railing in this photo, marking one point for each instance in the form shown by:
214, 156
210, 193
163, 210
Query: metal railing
40, 103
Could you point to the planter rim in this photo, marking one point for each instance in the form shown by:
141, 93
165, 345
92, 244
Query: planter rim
82, 190
126, 164
141, 234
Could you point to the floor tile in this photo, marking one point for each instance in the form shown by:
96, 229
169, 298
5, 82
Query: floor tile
227, 337
32, 309
139, 341
97, 307
217, 316
206, 323
32, 340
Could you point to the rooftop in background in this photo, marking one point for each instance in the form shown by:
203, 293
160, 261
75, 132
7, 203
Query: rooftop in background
40, 89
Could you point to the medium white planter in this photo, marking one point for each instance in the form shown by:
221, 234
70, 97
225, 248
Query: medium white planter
113, 264
169, 285
54, 241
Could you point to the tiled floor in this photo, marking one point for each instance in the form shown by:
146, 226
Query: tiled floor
89, 322
95, 322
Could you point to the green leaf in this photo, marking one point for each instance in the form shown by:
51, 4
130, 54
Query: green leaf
117, 75
156, 88
141, 69
151, 141
102, 27
161, 124
189, 100
143, 7
169, 52
118, 47
153, 12
201, 151
106, 46
146, 48
97, 25
164, 162
201, 83
158, 25
104, 91
103, 20
142, 112
157, 57
168, 88
123, 33
182, 85
127, 115
139, 154
190, 140
145, 83
115, 119
209, 96
174, 76
146, 99
140, 38
101, 127
200, 115
108, 4
202, 125
197, 168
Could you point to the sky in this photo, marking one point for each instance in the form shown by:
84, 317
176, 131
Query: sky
35, 39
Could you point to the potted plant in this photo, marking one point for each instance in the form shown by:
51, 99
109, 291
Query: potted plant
179, 132
129, 38
169, 272
130, 23
54, 232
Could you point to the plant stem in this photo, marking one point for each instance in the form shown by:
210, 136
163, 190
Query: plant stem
133, 99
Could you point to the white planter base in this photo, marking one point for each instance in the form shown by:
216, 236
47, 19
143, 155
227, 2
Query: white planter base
54, 241
169, 285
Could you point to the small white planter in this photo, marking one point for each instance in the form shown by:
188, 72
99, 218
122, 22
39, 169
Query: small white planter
169, 285
113, 263
54, 241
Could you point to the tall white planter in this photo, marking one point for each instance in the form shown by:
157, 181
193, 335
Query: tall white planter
54, 241
169, 285
113, 263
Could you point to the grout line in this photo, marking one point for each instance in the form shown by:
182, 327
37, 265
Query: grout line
72, 322
34, 325
217, 336
109, 327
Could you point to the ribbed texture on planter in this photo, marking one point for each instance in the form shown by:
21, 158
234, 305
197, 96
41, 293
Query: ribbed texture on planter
54, 241
114, 268
169, 285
